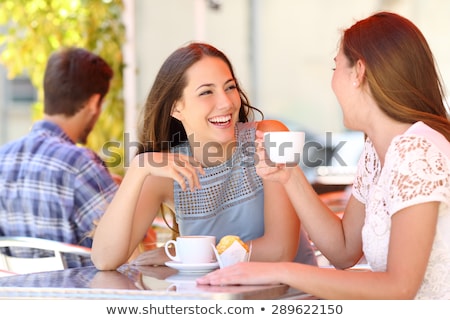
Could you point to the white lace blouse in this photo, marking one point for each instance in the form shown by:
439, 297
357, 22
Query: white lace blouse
416, 170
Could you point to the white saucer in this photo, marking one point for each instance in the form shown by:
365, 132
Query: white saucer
193, 267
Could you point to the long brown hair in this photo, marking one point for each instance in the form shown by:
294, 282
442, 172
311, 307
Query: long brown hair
400, 69
158, 130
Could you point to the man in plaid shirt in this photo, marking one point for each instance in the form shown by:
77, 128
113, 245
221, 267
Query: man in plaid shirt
49, 186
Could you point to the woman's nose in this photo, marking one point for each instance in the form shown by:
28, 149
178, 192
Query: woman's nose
224, 100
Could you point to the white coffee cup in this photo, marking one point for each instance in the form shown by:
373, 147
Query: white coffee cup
284, 147
192, 249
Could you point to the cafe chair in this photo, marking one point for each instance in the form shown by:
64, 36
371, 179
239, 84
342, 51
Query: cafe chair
20, 265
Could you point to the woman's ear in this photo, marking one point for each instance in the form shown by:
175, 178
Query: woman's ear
360, 68
176, 111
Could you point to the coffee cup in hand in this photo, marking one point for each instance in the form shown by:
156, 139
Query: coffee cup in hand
284, 147
192, 249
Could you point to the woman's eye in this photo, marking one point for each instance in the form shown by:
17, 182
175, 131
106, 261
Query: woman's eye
204, 93
334, 69
231, 87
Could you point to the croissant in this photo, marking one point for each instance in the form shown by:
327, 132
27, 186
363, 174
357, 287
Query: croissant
227, 241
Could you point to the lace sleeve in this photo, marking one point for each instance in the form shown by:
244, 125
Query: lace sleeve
367, 171
415, 172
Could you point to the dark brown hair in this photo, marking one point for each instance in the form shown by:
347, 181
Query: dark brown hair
400, 69
71, 77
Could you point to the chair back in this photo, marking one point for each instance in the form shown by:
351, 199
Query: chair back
21, 265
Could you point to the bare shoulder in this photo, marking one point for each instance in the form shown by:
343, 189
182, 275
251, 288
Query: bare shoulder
271, 125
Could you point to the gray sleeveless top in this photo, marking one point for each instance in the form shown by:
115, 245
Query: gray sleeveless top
231, 200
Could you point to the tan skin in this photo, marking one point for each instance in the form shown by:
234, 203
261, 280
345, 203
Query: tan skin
340, 240
78, 126
209, 97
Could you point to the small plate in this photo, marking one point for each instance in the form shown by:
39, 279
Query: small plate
193, 267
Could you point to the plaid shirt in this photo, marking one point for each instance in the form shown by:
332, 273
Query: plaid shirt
51, 188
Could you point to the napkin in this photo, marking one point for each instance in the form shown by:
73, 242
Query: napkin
233, 254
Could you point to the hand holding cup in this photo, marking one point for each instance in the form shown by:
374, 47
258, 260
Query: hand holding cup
284, 147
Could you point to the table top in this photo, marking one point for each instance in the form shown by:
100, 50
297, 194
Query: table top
132, 282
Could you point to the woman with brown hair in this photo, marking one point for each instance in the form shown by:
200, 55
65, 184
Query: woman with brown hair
196, 157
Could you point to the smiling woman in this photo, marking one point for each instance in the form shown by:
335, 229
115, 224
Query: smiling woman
195, 158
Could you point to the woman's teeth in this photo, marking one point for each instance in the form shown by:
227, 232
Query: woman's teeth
220, 120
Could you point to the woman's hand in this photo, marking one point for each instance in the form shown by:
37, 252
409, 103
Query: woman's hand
244, 273
181, 168
265, 168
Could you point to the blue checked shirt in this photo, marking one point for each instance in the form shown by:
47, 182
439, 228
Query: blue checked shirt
51, 188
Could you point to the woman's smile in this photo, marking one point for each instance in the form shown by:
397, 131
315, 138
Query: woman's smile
221, 121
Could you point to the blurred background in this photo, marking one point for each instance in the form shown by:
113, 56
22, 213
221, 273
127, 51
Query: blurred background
282, 52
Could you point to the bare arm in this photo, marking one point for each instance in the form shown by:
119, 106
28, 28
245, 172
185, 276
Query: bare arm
339, 241
122, 226
281, 224
281, 227
411, 240
146, 185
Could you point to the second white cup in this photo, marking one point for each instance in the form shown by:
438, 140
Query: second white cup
284, 146
192, 249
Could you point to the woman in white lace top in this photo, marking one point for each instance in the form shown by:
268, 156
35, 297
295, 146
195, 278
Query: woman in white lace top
398, 215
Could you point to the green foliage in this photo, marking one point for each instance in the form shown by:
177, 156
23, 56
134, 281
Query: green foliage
33, 29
